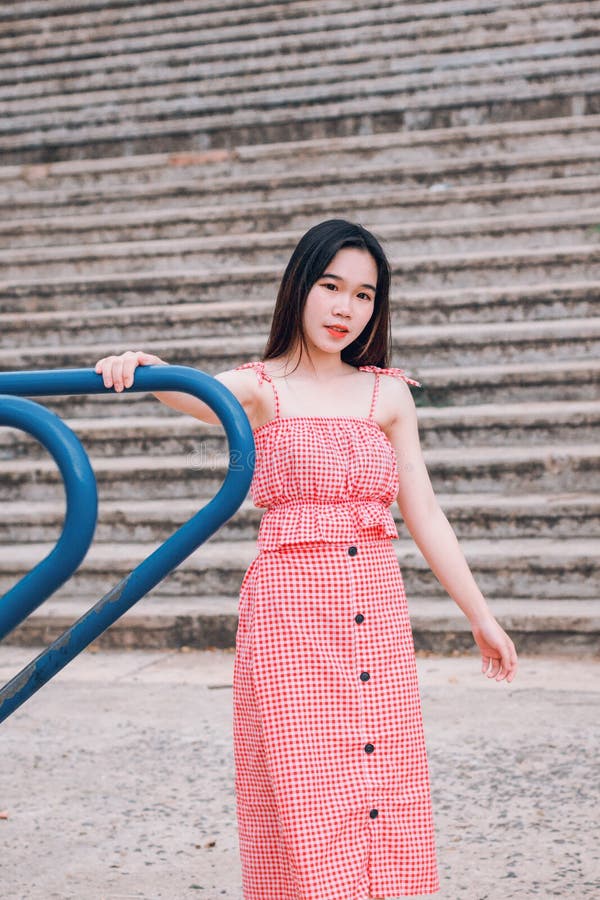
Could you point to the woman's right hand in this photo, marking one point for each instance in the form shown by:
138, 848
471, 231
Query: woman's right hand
118, 371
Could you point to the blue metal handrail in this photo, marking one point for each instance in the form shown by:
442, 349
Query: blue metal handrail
81, 510
173, 551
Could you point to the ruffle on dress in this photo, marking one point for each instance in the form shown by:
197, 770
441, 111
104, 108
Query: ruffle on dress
308, 520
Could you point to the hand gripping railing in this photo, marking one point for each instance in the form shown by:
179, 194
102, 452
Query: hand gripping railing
81, 498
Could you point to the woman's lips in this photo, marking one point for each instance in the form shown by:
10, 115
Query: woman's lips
335, 333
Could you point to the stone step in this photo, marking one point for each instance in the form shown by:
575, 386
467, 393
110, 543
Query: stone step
496, 203
438, 625
527, 568
517, 382
462, 180
295, 34
420, 154
22, 30
470, 239
488, 343
472, 516
505, 469
578, 300
571, 95
33, 15
264, 91
122, 21
453, 426
163, 89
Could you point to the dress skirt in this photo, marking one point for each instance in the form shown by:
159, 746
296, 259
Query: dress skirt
331, 773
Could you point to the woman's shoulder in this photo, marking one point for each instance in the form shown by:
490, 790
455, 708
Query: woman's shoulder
244, 385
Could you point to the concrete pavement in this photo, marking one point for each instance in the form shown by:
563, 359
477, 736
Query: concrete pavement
116, 778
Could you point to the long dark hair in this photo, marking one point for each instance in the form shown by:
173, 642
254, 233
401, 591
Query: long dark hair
310, 259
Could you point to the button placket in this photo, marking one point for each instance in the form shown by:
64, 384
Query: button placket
364, 676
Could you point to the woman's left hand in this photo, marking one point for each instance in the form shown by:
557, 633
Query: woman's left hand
495, 645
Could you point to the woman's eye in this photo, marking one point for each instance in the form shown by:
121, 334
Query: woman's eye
330, 284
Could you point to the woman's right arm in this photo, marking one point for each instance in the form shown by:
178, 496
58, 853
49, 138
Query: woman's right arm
119, 372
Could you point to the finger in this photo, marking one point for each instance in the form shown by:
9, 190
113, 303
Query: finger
494, 668
129, 365
98, 366
117, 372
504, 675
106, 371
513, 663
487, 665
509, 663
497, 671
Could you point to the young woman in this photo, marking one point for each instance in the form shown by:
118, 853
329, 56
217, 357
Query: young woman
332, 781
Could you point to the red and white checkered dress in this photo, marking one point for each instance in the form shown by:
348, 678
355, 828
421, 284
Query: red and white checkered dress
332, 782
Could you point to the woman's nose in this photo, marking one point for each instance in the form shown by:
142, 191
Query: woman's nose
342, 304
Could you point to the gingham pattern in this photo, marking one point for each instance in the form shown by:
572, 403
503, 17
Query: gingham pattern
332, 783
350, 491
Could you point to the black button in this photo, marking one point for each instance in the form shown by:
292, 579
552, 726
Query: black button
374, 813
369, 748
358, 618
364, 676
352, 551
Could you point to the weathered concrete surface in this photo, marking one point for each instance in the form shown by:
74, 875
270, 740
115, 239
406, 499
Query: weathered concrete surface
116, 778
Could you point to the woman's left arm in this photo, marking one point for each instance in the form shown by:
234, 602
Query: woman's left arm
437, 541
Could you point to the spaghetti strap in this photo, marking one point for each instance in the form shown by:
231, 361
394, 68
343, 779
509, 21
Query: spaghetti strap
378, 370
259, 366
374, 396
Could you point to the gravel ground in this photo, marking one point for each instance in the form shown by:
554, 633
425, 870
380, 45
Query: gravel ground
117, 778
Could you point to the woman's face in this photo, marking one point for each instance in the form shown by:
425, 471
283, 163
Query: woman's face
343, 296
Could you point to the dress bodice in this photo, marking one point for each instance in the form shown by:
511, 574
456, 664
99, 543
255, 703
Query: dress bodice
324, 478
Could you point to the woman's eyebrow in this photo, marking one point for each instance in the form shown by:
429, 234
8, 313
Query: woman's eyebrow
339, 278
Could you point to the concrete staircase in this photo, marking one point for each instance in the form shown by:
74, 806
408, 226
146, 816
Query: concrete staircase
152, 190
112, 78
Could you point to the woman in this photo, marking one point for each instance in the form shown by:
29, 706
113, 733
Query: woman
332, 781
